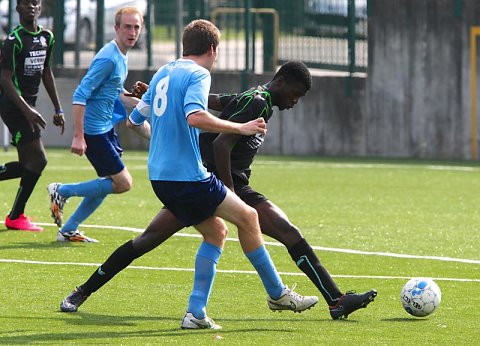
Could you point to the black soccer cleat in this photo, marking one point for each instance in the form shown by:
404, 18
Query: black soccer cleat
72, 302
351, 302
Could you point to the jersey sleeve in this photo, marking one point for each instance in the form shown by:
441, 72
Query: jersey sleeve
142, 110
95, 77
196, 97
51, 44
9, 47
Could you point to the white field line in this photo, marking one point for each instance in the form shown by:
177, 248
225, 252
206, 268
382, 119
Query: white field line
375, 277
320, 248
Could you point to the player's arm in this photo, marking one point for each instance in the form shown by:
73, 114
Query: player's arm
224, 143
137, 119
208, 122
222, 147
143, 130
138, 89
128, 101
217, 102
49, 83
31, 114
79, 146
90, 83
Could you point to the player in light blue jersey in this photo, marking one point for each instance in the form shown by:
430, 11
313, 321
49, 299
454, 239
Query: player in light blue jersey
93, 108
176, 103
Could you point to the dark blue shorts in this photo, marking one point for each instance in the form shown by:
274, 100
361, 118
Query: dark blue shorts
104, 153
191, 202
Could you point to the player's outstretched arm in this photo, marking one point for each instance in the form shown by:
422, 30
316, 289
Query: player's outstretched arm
208, 122
143, 130
138, 89
214, 102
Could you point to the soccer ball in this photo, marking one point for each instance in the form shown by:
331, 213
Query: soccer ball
421, 296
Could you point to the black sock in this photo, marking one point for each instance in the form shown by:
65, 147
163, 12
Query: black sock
309, 263
27, 184
11, 170
118, 260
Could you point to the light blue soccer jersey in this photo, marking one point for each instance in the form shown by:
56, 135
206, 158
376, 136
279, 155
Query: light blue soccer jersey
100, 87
175, 91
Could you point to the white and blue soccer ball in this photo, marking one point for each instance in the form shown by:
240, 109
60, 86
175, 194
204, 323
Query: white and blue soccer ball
421, 297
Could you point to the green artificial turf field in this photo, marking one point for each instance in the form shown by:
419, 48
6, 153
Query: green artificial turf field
373, 223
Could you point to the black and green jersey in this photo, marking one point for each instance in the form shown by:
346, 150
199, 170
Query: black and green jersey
26, 54
240, 108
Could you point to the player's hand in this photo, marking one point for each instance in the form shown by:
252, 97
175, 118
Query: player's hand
253, 127
35, 119
59, 120
79, 146
139, 88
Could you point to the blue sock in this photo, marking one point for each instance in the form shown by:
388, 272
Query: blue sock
92, 188
260, 258
84, 210
205, 269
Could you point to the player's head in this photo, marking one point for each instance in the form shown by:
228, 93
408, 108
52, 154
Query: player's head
290, 83
28, 10
201, 37
128, 26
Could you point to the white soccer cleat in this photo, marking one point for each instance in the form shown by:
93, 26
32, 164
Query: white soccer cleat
191, 322
291, 300
75, 237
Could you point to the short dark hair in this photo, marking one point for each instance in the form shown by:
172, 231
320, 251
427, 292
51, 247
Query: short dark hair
199, 36
295, 71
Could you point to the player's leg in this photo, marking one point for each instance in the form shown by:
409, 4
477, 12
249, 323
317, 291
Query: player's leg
33, 160
275, 223
31, 163
214, 232
121, 182
162, 227
11, 170
234, 210
114, 177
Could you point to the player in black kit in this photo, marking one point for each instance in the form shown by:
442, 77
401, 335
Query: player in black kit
25, 61
229, 156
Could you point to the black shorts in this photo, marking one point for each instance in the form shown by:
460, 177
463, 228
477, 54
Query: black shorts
246, 192
191, 201
19, 127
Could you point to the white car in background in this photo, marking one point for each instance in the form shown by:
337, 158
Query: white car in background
87, 22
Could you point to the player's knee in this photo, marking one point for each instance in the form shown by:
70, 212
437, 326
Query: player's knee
123, 185
37, 165
249, 221
223, 233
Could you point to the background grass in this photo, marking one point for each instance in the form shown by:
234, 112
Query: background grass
396, 206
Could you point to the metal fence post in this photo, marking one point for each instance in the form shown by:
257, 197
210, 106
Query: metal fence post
351, 46
248, 24
179, 28
100, 25
58, 28
268, 42
148, 27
